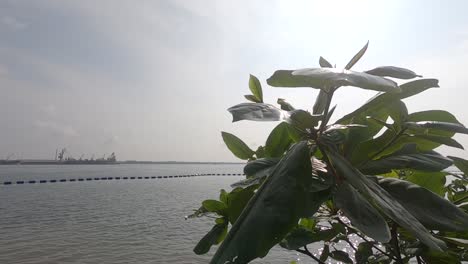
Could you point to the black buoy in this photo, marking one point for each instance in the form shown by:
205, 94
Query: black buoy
159, 177
80, 179
42, 181
153, 177
117, 178
125, 178
7, 183
72, 180
89, 179
19, 182
53, 181
110, 178
32, 181
63, 180
146, 177
132, 178
96, 179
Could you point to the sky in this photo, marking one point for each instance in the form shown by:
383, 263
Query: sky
151, 80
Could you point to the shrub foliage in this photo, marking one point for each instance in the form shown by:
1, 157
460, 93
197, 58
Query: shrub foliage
368, 188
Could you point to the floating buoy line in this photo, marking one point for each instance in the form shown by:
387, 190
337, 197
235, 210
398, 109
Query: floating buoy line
86, 179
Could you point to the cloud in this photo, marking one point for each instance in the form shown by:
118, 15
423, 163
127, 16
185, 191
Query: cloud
56, 129
13, 23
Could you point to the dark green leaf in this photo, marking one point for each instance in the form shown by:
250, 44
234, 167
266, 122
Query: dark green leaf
212, 238
320, 102
394, 72
433, 257
364, 251
357, 57
300, 237
430, 209
407, 157
461, 164
255, 112
451, 127
341, 256
408, 89
361, 213
252, 98
278, 141
389, 205
433, 181
270, 214
324, 63
256, 88
257, 167
237, 146
285, 105
256, 171
325, 253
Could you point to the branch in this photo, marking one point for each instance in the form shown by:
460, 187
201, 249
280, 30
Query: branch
306, 251
367, 240
396, 245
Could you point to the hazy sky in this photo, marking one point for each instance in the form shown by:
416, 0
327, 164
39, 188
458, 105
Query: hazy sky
151, 80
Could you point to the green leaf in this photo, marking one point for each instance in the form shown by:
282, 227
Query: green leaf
461, 164
361, 213
237, 200
394, 72
257, 168
456, 241
285, 105
256, 112
215, 206
341, 256
440, 140
278, 141
237, 146
433, 181
324, 63
252, 98
212, 238
389, 205
256, 171
407, 157
326, 78
270, 214
408, 89
430, 209
433, 257
451, 127
364, 251
256, 88
325, 253
329, 78
320, 102
300, 237
357, 57
303, 120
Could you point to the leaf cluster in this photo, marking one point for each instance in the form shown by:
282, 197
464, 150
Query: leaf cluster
370, 181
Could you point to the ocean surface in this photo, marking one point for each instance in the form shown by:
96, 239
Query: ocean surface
112, 221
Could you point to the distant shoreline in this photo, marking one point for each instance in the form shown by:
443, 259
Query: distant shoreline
99, 162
